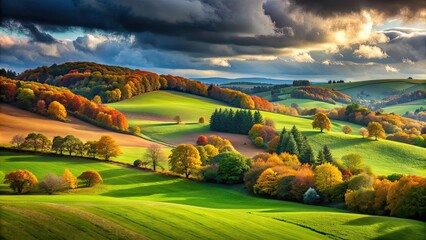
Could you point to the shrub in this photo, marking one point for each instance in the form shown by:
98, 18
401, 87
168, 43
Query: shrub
135, 130
361, 200
202, 140
258, 141
346, 129
253, 174
361, 181
137, 163
90, 178
232, 167
52, 183
311, 196
394, 177
202, 120
267, 183
354, 163
70, 179
210, 173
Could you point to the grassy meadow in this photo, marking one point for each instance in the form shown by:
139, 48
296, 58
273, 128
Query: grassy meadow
385, 157
405, 107
135, 204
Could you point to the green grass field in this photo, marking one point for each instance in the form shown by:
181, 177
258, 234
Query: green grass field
385, 157
404, 107
308, 103
134, 204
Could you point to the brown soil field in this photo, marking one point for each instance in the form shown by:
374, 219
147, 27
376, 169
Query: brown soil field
15, 121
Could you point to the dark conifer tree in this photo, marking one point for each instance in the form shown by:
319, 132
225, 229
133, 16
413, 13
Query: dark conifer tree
258, 119
281, 147
327, 154
297, 137
320, 158
291, 146
307, 155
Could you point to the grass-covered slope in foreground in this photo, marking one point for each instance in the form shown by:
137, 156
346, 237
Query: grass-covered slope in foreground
385, 157
134, 204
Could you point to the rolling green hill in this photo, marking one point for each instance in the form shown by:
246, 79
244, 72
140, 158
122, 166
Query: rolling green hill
133, 204
385, 157
309, 103
404, 107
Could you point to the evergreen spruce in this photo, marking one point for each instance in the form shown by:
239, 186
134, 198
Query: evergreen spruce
320, 158
258, 119
281, 147
298, 138
307, 155
291, 146
327, 154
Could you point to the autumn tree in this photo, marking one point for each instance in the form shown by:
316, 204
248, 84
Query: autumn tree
363, 132
107, 147
21, 181
97, 99
347, 129
37, 141
52, 183
354, 163
135, 130
70, 179
267, 183
376, 130
258, 141
202, 140
155, 154
178, 119
206, 152
57, 110
72, 144
90, 178
18, 140
25, 97
303, 180
327, 176
184, 159
321, 121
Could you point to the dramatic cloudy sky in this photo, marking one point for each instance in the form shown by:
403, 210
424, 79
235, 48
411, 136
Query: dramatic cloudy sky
284, 39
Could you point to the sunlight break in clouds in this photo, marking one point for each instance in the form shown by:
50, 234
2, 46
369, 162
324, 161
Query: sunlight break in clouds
366, 51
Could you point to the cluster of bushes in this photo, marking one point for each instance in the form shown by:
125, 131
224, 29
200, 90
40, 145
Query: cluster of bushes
406, 97
188, 159
105, 147
321, 94
23, 181
418, 114
54, 101
391, 123
240, 121
348, 180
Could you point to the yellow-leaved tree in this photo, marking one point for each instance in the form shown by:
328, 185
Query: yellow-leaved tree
107, 147
267, 183
327, 176
184, 159
376, 130
321, 121
70, 179
21, 181
57, 110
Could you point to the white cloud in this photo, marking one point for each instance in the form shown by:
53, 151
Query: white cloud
366, 51
407, 61
391, 69
303, 57
89, 42
328, 62
219, 62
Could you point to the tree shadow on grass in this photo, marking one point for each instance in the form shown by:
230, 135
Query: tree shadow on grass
124, 176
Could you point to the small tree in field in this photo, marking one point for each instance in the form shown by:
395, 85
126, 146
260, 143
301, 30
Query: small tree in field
321, 121
202, 120
178, 119
376, 130
107, 147
21, 181
184, 159
57, 110
363, 132
90, 178
137, 163
155, 154
70, 179
52, 183
346, 129
18, 140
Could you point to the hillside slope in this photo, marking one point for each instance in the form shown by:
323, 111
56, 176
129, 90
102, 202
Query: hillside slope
135, 204
385, 157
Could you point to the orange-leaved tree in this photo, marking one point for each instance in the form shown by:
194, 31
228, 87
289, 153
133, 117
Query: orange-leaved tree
376, 130
107, 147
21, 181
321, 121
90, 178
57, 110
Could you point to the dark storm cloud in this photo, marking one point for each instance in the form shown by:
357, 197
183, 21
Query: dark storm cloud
30, 30
338, 7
